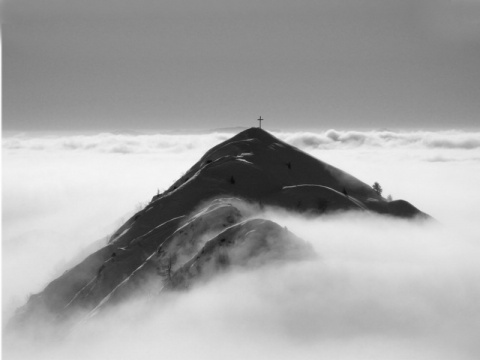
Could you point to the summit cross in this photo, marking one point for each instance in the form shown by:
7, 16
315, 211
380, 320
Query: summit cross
260, 122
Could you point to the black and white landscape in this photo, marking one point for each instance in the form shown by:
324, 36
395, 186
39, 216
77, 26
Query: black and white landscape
147, 214
251, 250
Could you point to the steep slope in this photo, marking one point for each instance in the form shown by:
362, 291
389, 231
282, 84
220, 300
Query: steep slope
250, 243
180, 228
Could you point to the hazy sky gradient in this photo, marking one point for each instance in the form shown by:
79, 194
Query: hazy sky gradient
116, 64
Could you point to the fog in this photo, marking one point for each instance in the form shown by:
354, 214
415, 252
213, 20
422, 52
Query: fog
380, 288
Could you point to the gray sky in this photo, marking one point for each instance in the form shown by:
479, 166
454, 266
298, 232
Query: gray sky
177, 64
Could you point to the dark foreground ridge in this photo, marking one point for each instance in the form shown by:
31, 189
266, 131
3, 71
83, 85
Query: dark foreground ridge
201, 226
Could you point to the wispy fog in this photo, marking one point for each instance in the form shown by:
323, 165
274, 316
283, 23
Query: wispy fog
381, 288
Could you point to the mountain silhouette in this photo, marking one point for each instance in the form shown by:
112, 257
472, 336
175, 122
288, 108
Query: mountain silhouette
208, 221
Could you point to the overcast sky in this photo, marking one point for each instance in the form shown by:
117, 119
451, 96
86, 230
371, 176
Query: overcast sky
180, 64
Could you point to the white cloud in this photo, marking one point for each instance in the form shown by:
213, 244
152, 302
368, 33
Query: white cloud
333, 139
382, 288
115, 143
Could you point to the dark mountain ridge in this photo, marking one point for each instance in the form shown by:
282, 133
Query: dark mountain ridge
200, 225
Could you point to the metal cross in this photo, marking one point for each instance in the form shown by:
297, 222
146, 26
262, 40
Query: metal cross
260, 122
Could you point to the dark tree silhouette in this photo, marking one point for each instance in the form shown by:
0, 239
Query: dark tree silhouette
166, 268
345, 192
100, 270
223, 260
322, 205
232, 180
377, 188
299, 204
289, 165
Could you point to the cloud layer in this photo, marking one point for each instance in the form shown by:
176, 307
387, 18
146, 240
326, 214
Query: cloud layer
381, 287
114, 143
331, 139
386, 139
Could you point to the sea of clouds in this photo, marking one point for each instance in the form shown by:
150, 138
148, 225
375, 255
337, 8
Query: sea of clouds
381, 288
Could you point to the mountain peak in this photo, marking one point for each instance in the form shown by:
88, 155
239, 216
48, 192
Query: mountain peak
249, 139
255, 133
202, 217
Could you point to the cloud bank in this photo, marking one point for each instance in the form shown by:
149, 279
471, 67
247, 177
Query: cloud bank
114, 143
386, 139
381, 287
331, 139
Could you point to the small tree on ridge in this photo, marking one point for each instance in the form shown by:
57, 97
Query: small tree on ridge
377, 188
